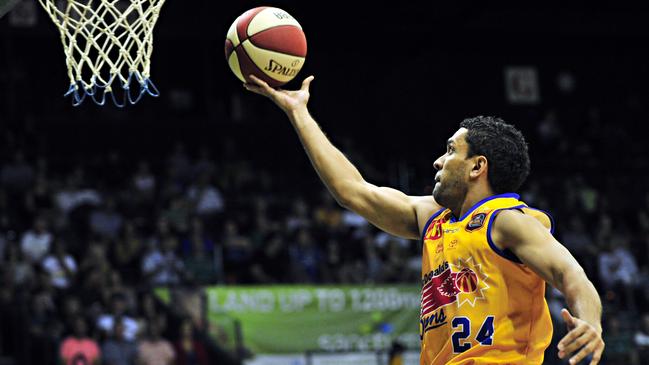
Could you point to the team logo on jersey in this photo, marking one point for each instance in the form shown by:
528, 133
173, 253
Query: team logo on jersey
438, 289
470, 281
463, 283
476, 221
434, 230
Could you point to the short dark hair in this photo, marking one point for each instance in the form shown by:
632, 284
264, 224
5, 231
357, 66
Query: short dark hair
504, 147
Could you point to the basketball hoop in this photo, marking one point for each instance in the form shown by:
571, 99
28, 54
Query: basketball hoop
107, 43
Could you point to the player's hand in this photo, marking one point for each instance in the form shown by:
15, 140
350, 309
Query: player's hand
581, 335
288, 100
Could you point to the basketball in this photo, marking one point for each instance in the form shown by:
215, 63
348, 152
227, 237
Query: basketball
266, 42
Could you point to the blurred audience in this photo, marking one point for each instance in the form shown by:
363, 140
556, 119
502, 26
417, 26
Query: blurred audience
79, 348
190, 350
153, 349
81, 252
117, 349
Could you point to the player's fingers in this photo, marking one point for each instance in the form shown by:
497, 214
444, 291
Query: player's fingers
597, 356
567, 317
585, 351
255, 89
572, 341
261, 83
588, 339
307, 83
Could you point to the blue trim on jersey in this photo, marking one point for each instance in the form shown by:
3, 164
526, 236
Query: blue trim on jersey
435, 215
504, 253
549, 216
476, 205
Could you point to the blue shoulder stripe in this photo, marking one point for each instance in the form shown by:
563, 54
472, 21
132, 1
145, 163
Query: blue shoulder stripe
504, 253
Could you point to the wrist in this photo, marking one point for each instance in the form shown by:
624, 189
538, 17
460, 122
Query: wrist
296, 115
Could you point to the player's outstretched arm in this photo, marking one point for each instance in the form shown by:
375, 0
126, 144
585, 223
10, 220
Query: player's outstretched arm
533, 244
388, 209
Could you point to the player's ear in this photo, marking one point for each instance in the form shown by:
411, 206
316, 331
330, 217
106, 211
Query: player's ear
479, 166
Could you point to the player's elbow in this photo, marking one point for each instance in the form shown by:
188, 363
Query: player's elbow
344, 200
567, 277
345, 195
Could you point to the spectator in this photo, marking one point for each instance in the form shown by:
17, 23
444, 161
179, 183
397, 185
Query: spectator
117, 349
162, 266
147, 310
204, 165
237, 254
641, 338
60, 266
35, 243
70, 311
144, 181
190, 350
298, 218
328, 215
39, 199
107, 322
618, 270
374, 264
155, 350
93, 272
351, 219
306, 258
21, 274
333, 262
73, 195
619, 344
45, 328
178, 213
270, 261
79, 348
107, 221
206, 198
580, 244
199, 258
127, 251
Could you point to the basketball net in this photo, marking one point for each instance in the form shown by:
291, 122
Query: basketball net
107, 43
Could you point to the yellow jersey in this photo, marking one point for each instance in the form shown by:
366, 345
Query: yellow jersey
480, 304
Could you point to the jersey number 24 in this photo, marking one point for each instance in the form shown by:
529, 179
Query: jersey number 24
463, 325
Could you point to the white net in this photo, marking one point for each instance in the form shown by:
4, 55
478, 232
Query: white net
107, 43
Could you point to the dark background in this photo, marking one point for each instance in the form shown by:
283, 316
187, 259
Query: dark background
395, 79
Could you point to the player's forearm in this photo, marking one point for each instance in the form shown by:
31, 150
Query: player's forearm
334, 169
582, 297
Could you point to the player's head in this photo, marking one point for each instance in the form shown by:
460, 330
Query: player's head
485, 150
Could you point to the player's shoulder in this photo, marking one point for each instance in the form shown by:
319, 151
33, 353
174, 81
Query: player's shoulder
540, 215
425, 207
515, 223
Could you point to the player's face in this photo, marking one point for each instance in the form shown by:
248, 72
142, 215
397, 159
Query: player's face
451, 179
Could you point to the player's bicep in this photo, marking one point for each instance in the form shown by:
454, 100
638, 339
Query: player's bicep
389, 209
534, 245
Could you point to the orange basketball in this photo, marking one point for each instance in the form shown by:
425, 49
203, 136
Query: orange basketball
266, 42
466, 281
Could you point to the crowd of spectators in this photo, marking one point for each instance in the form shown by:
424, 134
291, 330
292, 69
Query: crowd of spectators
82, 246
82, 250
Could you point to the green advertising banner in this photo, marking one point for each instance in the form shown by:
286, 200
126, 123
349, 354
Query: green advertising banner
295, 319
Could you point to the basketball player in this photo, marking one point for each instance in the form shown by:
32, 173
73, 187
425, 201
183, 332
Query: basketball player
486, 254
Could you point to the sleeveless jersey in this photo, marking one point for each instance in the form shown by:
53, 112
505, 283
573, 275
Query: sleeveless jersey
480, 304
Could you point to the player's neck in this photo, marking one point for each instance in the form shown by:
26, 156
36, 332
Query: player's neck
472, 197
